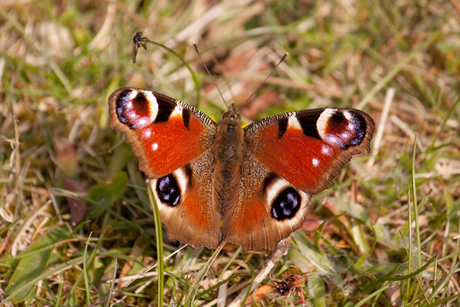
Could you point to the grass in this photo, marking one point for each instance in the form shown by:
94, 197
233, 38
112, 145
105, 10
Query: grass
76, 228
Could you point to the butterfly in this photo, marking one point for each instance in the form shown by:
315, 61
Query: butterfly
219, 182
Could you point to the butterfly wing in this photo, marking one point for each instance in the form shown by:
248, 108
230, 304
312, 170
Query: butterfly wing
173, 142
308, 148
269, 208
184, 198
289, 157
165, 133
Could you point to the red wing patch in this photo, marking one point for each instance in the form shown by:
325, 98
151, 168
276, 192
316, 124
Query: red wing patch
308, 148
165, 134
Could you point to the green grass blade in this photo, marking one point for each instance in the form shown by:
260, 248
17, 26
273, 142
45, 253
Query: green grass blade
398, 67
159, 243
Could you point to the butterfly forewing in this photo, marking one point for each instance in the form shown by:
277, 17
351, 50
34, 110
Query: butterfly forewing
165, 133
308, 148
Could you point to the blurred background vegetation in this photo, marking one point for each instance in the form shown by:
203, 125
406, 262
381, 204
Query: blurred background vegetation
73, 204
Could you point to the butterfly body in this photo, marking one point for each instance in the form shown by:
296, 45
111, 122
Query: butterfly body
258, 181
228, 152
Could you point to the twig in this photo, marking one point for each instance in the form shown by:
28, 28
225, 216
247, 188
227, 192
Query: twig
271, 261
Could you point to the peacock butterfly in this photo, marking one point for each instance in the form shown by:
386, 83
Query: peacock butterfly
258, 181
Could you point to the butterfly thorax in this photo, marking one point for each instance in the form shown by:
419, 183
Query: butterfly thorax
229, 153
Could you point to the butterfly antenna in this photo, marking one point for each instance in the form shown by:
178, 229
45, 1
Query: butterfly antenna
269, 75
209, 73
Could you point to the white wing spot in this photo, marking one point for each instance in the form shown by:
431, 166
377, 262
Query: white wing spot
315, 162
322, 122
279, 185
182, 179
153, 105
147, 133
332, 139
177, 111
154, 146
351, 126
133, 94
294, 123
349, 116
142, 122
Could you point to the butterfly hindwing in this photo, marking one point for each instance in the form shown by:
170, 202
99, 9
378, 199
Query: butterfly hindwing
184, 200
268, 210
